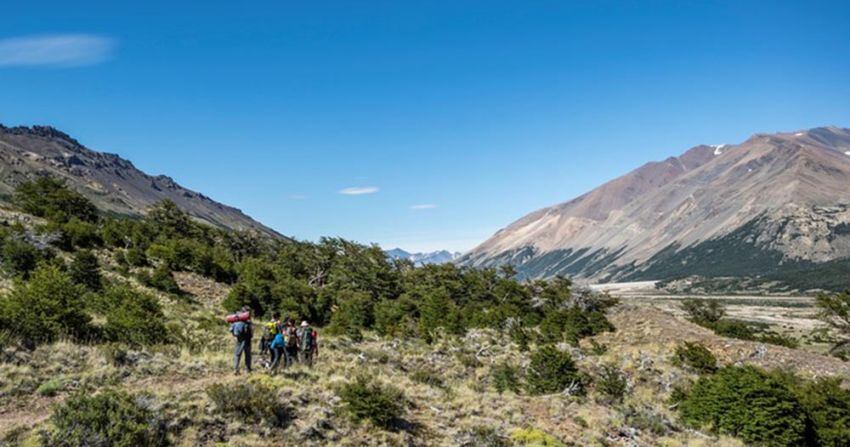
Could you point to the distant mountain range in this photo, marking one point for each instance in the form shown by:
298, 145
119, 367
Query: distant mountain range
111, 182
434, 257
773, 205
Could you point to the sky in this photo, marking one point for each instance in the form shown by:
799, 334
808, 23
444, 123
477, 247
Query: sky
423, 125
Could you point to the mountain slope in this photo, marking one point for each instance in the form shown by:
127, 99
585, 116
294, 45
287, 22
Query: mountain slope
784, 196
111, 182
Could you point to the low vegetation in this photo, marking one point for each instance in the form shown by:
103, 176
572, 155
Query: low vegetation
99, 308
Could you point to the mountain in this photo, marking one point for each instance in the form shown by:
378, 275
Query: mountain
111, 182
774, 204
434, 257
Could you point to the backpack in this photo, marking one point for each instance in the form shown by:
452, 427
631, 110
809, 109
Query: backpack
241, 329
270, 329
291, 338
307, 339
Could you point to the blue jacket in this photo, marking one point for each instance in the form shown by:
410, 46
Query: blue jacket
278, 342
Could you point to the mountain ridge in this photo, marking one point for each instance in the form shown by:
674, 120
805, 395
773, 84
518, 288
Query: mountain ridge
113, 183
617, 230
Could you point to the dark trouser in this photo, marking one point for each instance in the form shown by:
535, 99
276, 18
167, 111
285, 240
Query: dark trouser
242, 347
277, 353
291, 355
264, 346
307, 357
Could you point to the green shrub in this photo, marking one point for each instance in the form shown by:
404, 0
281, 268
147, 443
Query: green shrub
533, 437
50, 304
85, 271
162, 279
136, 257
76, 233
747, 403
827, 405
132, 317
704, 311
51, 387
695, 356
505, 377
354, 312
251, 402
362, 399
19, 257
611, 383
572, 324
49, 198
552, 371
109, 418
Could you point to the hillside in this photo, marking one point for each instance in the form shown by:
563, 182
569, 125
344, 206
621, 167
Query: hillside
111, 182
112, 332
773, 204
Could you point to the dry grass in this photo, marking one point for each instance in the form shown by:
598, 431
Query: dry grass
462, 409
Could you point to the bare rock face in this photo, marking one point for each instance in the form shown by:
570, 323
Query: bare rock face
784, 195
111, 182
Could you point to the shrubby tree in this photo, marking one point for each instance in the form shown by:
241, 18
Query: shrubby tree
85, 270
47, 306
112, 418
747, 403
835, 311
51, 199
133, 317
553, 371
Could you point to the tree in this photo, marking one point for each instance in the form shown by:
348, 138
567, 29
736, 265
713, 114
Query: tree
835, 311
704, 312
50, 304
553, 371
51, 199
85, 270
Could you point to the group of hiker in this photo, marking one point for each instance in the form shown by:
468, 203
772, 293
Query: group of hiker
282, 341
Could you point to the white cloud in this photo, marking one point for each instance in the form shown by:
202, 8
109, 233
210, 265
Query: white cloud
358, 190
58, 50
424, 206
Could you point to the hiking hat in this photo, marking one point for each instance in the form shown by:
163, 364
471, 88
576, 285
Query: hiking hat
304, 324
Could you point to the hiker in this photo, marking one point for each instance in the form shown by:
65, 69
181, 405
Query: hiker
270, 329
308, 343
277, 347
242, 332
291, 351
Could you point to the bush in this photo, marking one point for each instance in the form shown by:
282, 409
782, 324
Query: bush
747, 403
85, 271
110, 418
162, 279
612, 384
50, 304
573, 324
19, 257
696, 357
49, 198
362, 399
76, 233
136, 257
505, 377
533, 437
828, 409
251, 402
704, 311
553, 371
132, 317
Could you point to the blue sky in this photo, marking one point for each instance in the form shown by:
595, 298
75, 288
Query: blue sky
424, 124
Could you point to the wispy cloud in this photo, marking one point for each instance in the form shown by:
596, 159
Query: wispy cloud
358, 190
57, 50
423, 206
